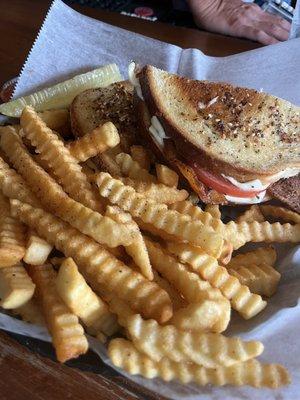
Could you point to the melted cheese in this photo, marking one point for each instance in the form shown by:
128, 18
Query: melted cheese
259, 198
157, 132
258, 184
134, 80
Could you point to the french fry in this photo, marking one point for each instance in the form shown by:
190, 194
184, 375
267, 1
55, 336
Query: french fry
132, 168
30, 312
12, 236
156, 191
226, 253
195, 212
177, 301
14, 186
242, 300
261, 279
240, 233
262, 255
280, 212
16, 287
251, 215
91, 144
102, 229
189, 284
137, 249
59, 160
157, 214
207, 315
166, 176
67, 334
37, 250
213, 210
210, 350
56, 119
97, 265
82, 301
123, 354
140, 155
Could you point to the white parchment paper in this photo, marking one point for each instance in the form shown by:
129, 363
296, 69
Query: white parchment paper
70, 43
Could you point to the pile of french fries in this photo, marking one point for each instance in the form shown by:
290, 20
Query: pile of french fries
83, 251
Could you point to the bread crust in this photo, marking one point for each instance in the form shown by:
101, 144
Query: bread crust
256, 105
205, 194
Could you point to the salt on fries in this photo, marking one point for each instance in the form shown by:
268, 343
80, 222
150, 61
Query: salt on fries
137, 254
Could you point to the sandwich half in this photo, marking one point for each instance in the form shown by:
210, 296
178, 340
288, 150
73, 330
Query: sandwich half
231, 144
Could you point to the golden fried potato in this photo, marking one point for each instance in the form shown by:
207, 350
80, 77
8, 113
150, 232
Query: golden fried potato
37, 250
167, 176
242, 300
251, 215
82, 301
12, 236
58, 159
67, 334
132, 169
100, 139
261, 279
123, 354
16, 287
261, 255
157, 214
213, 210
210, 350
101, 269
280, 213
140, 155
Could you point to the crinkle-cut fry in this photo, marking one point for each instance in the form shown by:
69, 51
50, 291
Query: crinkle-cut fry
214, 210
280, 212
240, 233
262, 255
166, 176
59, 160
16, 287
137, 249
67, 334
210, 350
132, 168
156, 191
123, 354
205, 316
82, 301
96, 142
37, 250
30, 312
189, 284
97, 265
13, 185
226, 253
251, 215
261, 279
55, 119
140, 155
242, 300
102, 229
12, 236
170, 221
89, 172
177, 301
150, 228
119, 308
187, 208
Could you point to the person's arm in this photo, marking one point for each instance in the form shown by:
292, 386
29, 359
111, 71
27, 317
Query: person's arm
235, 18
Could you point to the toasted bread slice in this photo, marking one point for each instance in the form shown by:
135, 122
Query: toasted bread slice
94, 107
168, 153
235, 131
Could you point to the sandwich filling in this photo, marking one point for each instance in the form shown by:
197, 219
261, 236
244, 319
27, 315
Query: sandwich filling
251, 192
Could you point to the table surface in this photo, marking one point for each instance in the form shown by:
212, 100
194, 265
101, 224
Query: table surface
29, 369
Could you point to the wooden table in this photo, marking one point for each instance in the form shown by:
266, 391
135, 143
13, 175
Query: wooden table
29, 370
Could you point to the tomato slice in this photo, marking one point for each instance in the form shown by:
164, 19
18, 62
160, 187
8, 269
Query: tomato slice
221, 184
